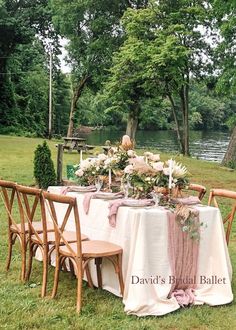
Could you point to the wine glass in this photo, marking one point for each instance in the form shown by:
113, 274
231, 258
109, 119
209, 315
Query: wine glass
126, 187
98, 183
156, 197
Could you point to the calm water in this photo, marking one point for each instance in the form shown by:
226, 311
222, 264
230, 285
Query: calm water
204, 145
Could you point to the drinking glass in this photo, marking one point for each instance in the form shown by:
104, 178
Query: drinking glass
126, 187
156, 197
98, 183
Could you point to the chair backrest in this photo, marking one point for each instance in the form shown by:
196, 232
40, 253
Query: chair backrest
31, 206
223, 193
60, 208
198, 188
8, 194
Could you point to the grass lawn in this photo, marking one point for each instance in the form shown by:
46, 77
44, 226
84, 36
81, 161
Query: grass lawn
20, 304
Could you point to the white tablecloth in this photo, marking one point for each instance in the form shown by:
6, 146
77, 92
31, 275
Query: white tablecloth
142, 233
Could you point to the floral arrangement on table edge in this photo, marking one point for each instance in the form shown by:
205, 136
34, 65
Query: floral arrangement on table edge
187, 219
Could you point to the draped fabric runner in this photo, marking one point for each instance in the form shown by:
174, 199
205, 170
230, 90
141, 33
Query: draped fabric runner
183, 254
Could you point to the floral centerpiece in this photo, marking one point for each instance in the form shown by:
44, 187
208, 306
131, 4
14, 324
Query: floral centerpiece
110, 166
144, 173
90, 168
147, 173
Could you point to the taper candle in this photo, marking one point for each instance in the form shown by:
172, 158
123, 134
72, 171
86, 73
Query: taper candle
109, 177
170, 174
81, 156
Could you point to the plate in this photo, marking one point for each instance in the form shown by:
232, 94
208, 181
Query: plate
138, 202
82, 188
108, 195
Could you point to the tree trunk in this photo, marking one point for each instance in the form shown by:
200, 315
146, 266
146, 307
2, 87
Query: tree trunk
132, 123
76, 94
184, 107
186, 121
179, 137
230, 155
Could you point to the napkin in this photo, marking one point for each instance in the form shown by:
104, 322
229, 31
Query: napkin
65, 190
88, 196
114, 206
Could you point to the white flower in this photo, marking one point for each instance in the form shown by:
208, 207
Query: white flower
166, 170
155, 157
85, 165
129, 169
178, 170
148, 154
79, 172
158, 166
131, 153
102, 157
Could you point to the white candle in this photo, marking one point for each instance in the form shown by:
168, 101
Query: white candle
81, 156
109, 177
170, 174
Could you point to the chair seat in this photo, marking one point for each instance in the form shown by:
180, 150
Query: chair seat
70, 236
93, 249
36, 224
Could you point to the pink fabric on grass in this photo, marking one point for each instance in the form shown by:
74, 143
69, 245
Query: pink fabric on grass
183, 254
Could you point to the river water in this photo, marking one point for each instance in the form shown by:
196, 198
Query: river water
209, 145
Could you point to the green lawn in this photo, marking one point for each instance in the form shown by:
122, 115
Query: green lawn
21, 306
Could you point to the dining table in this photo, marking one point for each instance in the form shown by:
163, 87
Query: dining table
142, 232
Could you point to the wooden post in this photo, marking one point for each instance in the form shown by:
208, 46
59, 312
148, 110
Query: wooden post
50, 97
59, 163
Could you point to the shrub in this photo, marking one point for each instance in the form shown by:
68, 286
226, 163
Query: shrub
44, 171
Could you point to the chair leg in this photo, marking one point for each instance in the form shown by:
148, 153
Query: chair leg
9, 255
56, 276
89, 278
71, 268
30, 260
98, 262
120, 276
79, 288
23, 260
45, 274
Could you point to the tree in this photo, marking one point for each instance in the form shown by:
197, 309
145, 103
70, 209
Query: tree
44, 171
94, 32
168, 48
225, 13
20, 22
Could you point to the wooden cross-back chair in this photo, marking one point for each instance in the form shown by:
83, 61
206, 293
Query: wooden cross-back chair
80, 252
199, 189
224, 193
15, 229
31, 202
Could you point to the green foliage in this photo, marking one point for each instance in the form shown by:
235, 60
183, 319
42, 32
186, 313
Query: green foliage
158, 57
225, 18
44, 172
